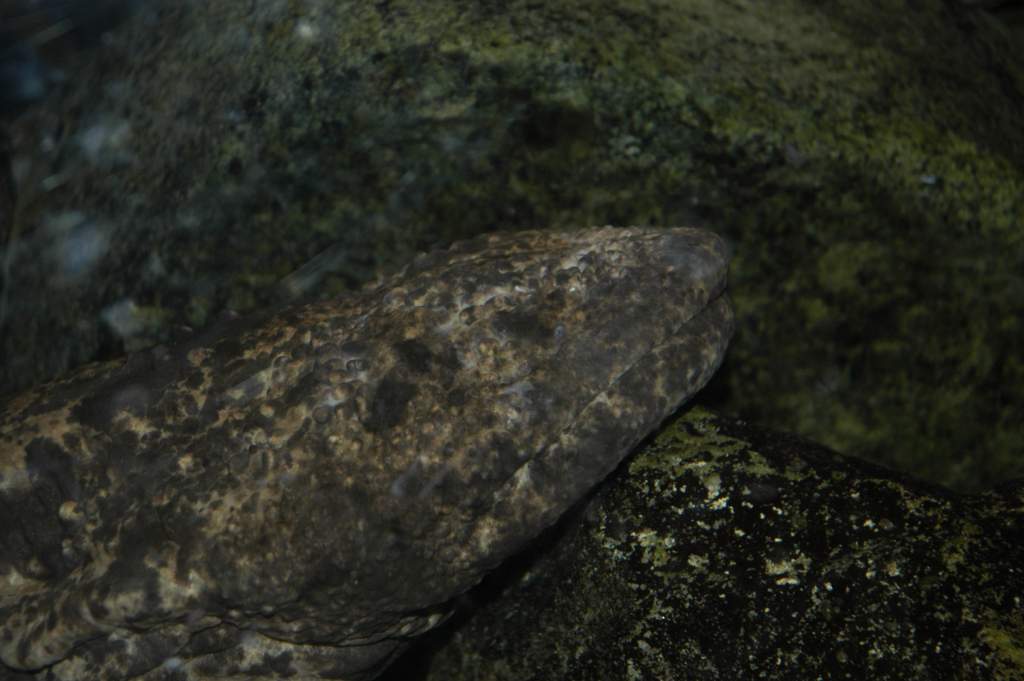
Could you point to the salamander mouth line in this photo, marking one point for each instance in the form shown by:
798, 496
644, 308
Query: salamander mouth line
717, 298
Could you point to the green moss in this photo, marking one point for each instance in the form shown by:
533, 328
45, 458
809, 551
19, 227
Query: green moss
1006, 639
863, 159
724, 550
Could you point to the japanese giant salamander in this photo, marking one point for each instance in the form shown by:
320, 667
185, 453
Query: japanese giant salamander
307, 490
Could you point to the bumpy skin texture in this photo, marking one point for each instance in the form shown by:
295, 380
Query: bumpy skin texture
304, 492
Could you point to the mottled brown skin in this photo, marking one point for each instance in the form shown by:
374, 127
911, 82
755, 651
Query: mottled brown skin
306, 491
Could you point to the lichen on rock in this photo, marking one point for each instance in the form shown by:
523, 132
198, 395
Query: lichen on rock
723, 550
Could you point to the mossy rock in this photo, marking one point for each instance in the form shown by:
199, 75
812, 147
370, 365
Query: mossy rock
865, 159
727, 551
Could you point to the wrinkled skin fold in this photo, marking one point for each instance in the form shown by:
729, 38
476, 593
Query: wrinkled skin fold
305, 491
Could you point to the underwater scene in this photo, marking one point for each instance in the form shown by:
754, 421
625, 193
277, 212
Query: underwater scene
466, 340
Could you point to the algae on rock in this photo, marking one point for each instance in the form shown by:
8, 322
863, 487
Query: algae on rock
865, 158
727, 551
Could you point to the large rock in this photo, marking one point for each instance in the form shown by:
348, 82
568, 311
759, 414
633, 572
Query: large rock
865, 158
727, 551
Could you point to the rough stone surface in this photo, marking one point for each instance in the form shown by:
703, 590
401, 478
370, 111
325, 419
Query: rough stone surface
305, 491
864, 157
727, 551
